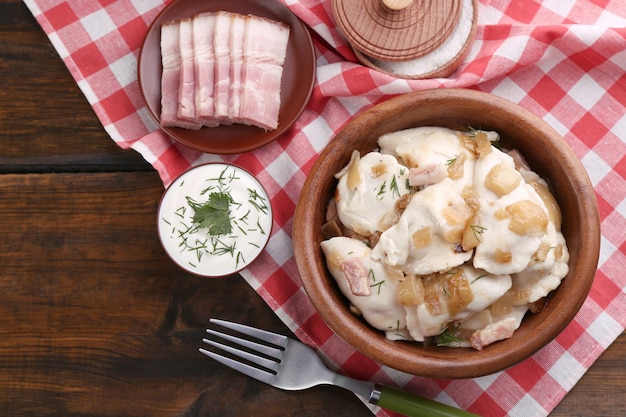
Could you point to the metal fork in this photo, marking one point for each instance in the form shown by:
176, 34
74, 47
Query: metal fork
295, 366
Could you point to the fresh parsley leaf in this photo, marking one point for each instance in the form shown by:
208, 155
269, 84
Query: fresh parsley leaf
214, 215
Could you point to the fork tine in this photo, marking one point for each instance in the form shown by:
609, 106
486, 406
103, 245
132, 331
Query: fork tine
245, 369
266, 363
264, 349
273, 338
263, 375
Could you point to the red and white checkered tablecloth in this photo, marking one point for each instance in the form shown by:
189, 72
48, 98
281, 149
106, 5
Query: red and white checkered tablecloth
563, 60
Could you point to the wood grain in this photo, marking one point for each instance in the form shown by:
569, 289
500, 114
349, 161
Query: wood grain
46, 122
95, 319
96, 316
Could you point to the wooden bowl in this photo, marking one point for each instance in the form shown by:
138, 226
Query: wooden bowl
547, 154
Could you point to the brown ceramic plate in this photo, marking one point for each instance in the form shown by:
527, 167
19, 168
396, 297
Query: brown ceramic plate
297, 82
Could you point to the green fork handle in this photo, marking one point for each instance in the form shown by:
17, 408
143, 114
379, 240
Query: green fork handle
412, 406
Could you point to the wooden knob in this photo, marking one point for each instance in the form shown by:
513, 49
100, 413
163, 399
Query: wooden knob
396, 30
397, 5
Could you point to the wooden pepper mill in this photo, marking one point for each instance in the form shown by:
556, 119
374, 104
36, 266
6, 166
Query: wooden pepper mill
408, 38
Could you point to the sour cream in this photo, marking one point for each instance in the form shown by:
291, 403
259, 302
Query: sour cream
214, 220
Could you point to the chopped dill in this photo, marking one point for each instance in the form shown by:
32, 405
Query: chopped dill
446, 291
472, 133
451, 160
244, 218
477, 278
258, 223
240, 258
180, 212
449, 337
378, 285
381, 191
477, 230
394, 187
241, 229
257, 201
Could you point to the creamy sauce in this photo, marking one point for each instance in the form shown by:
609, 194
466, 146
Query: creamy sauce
214, 219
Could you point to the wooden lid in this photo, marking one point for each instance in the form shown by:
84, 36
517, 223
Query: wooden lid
396, 30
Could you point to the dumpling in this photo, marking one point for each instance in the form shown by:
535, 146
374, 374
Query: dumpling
368, 284
368, 190
427, 237
511, 220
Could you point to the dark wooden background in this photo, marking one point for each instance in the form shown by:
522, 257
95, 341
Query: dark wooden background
94, 318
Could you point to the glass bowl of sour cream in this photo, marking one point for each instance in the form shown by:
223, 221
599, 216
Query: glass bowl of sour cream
214, 219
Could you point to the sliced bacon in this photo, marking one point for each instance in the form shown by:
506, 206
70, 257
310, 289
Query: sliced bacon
187, 90
493, 332
204, 65
265, 48
222, 68
237, 30
221, 44
427, 175
170, 79
356, 275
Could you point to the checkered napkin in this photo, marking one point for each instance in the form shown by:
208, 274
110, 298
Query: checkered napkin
563, 60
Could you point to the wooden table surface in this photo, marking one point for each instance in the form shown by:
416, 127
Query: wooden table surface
95, 319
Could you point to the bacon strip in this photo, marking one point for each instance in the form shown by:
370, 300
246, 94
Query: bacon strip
170, 80
236, 87
356, 275
427, 175
221, 43
265, 49
493, 332
222, 68
204, 65
187, 94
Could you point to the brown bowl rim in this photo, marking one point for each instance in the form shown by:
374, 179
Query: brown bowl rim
450, 363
